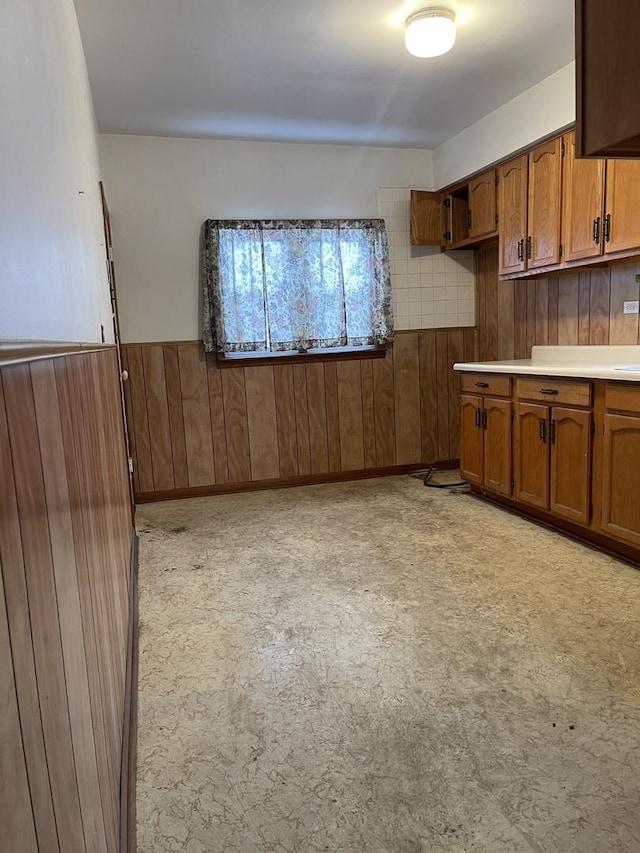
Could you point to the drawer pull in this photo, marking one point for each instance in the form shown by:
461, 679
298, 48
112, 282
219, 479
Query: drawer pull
551, 391
542, 430
478, 416
481, 384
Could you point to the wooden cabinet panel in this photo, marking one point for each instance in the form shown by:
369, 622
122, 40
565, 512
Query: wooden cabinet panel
482, 204
622, 214
471, 439
570, 464
608, 83
497, 445
582, 204
531, 465
620, 483
625, 398
512, 213
427, 218
554, 391
486, 383
545, 186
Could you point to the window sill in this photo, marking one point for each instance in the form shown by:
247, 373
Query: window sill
249, 359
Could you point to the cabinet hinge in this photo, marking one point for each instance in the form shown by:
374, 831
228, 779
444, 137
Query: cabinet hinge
593, 427
560, 252
447, 202
513, 484
447, 236
562, 149
130, 465
496, 220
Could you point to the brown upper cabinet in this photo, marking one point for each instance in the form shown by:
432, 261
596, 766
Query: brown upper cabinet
512, 214
482, 205
621, 227
459, 217
582, 205
427, 219
607, 78
542, 246
599, 206
529, 211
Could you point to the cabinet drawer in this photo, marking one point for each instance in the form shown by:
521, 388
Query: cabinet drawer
623, 398
553, 391
486, 383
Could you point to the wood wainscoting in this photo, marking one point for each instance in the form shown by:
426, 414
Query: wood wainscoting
583, 307
65, 559
198, 429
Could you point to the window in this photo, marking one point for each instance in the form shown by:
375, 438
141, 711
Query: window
292, 286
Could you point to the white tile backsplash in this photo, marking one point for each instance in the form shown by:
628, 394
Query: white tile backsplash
431, 289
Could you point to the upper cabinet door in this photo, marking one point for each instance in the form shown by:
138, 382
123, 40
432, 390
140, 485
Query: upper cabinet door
427, 218
607, 78
622, 209
482, 204
512, 213
545, 188
582, 204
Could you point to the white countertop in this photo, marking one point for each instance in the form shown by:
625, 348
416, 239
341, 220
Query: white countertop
599, 362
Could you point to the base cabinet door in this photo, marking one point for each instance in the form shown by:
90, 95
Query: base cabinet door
497, 445
570, 442
620, 478
531, 455
471, 439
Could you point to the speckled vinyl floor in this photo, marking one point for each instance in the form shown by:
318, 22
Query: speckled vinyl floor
380, 667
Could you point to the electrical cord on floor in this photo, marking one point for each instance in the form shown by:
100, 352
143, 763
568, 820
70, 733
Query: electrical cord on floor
427, 477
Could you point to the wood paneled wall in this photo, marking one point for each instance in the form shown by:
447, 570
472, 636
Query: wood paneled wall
583, 307
197, 428
65, 539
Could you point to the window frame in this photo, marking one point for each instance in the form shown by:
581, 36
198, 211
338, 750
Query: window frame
382, 330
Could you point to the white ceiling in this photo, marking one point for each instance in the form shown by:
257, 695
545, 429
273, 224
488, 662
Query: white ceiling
311, 70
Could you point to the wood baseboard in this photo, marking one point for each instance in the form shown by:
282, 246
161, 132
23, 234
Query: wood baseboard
130, 722
592, 538
285, 483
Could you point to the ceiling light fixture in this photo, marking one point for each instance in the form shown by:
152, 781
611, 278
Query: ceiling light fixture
430, 32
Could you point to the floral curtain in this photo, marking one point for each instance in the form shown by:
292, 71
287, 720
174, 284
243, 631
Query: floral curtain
294, 285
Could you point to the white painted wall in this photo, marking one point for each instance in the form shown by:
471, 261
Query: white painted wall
161, 190
53, 283
546, 107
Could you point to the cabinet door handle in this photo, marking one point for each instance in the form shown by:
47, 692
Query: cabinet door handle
481, 384
549, 391
520, 250
542, 430
528, 247
478, 418
552, 432
607, 228
596, 230
484, 419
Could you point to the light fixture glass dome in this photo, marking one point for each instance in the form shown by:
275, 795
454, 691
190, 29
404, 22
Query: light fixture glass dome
430, 32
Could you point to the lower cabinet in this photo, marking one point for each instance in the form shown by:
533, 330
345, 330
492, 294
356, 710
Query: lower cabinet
485, 450
539, 442
552, 459
621, 465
